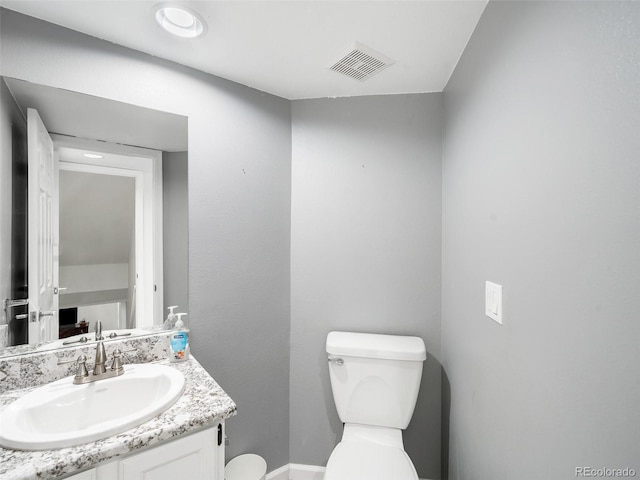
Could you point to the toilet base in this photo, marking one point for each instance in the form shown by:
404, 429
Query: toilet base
370, 453
369, 461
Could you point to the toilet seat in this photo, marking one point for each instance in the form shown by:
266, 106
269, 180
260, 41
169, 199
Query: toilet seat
361, 460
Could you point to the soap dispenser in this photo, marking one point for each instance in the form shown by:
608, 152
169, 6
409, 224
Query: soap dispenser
179, 341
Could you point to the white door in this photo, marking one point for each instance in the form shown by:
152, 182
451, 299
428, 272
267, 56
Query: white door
43, 232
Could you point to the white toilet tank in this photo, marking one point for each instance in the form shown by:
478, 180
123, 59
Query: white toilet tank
375, 378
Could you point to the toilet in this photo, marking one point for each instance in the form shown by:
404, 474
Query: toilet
375, 380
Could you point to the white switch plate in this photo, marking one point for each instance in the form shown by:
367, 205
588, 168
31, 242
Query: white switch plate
493, 301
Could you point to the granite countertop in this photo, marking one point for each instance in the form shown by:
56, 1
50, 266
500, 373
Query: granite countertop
202, 404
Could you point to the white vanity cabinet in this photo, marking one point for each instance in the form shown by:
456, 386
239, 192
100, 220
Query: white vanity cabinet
199, 456
86, 475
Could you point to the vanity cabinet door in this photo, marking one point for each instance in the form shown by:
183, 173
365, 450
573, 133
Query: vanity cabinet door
86, 475
194, 457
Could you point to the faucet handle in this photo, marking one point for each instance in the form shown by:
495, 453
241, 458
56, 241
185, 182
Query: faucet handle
82, 366
82, 339
117, 363
113, 335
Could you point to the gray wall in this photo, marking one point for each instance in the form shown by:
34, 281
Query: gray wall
239, 209
175, 209
541, 188
365, 252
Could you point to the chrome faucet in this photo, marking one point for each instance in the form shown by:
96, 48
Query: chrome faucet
100, 372
101, 354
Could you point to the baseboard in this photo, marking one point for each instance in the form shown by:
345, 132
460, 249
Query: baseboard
296, 471
305, 472
281, 473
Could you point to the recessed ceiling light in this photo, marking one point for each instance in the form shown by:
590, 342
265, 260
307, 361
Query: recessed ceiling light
180, 21
92, 155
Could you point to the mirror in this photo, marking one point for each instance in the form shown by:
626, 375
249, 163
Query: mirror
120, 253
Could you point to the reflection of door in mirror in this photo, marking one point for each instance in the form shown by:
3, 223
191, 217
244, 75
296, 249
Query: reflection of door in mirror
43, 232
110, 233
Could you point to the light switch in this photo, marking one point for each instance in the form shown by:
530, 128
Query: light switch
493, 301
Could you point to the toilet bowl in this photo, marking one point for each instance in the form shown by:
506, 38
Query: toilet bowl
375, 381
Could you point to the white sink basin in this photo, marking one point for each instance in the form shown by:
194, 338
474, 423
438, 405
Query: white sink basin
61, 414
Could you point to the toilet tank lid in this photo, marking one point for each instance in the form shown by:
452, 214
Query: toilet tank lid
373, 345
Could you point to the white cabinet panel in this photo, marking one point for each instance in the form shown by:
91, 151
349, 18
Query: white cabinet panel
194, 457
108, 471
86, 475
199, 456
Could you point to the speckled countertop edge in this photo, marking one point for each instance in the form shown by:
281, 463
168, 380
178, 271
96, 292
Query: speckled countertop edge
202, 404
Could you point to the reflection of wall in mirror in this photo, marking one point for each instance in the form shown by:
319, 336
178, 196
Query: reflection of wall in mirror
86, 286
130, 321
107, 313
7, 107
93, 278
13, 216
175, 230
95, 242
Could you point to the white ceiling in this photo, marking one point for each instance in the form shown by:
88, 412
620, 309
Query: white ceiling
286, 47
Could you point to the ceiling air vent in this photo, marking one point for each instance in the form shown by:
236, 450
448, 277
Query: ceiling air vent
361, 63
